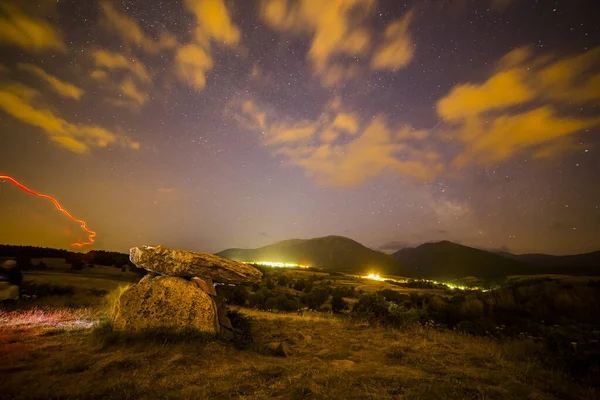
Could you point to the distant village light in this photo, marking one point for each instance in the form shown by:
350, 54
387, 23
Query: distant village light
375, 277
277, 264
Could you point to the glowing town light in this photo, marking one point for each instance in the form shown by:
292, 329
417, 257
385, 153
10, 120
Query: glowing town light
277, 264
375, 277
91, 234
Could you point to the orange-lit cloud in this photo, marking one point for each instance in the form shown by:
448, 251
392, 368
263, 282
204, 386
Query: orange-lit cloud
192, 62
573, 79
131, 33
131, 91
61, 87
115, 61
397, 49
515, 109
213, 24
30, 34
336, 29
26, 105
501, 137
504, 89
125, 77
334, 150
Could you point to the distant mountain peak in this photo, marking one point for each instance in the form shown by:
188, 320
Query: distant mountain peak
333, 252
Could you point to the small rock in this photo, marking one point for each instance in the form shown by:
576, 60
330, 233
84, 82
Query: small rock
279, 349
205, 284
225, 322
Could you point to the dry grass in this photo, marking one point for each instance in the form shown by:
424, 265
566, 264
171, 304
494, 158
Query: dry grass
331, 358
39, 319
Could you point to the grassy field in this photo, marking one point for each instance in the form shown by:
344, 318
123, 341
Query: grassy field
50, 349
58, 354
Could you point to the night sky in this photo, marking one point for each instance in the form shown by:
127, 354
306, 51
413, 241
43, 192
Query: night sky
208, 124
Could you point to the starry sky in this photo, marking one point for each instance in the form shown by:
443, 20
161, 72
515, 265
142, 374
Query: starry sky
208, 124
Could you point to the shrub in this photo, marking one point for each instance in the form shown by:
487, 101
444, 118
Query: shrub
299, 285
271, 303
338, 303
242, 329
236, 294
317, 296
282, 281
371, 307
344, 291
47, 289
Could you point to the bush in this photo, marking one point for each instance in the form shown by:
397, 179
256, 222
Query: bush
344, 291
237, 294
317, 296
242, 329
282, 281
299, 285
47, 289
270, 303
338, 303
371, 307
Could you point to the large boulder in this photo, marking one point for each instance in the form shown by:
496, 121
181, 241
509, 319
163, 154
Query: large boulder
183, 263
166, 302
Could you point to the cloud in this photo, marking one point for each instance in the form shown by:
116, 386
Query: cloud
131, 91
394, 245
515, 110
502, 90
192, 62
24, 103
574, 79
30, 34
505, 135
213, 23
336, 32
63, 88
334, 150
129, 30
397, 49
115, 61
124, 76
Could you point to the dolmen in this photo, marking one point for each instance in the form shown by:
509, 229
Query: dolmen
179, 292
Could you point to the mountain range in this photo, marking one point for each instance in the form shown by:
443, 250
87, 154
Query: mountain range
441, 260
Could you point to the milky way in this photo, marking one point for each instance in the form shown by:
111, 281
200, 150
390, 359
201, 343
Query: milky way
207, 124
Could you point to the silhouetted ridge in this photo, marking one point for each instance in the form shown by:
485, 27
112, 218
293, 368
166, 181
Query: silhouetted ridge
447, 260
333, 253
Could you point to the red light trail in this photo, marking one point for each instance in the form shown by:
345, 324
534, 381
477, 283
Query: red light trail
91, 233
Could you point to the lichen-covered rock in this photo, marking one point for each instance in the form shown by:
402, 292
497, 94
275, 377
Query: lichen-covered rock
205, 284
166, 302
184, 263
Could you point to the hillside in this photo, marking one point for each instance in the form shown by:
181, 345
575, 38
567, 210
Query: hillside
447, 260
577, 264
332, 253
